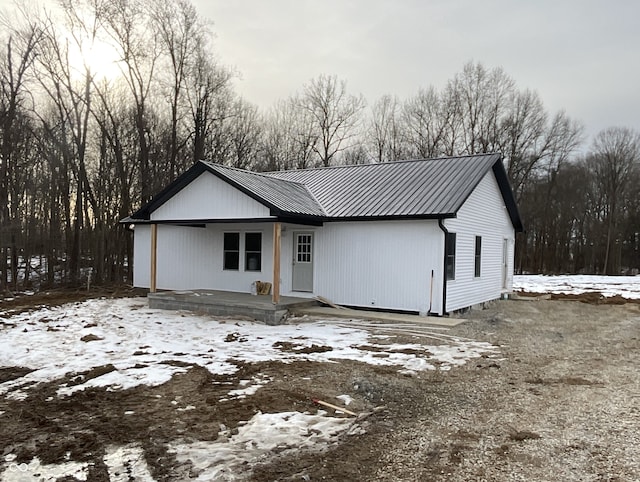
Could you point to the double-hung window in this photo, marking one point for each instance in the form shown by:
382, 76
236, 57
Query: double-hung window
253, 251
231, 257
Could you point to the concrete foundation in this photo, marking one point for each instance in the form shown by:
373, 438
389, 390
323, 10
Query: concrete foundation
228, 303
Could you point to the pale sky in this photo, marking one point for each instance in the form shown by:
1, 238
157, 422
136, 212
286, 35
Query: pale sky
582, 56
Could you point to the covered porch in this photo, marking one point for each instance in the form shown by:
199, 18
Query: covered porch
229, 303
200, 257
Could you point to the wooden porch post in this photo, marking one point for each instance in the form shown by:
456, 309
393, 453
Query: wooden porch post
154, 257
275, 296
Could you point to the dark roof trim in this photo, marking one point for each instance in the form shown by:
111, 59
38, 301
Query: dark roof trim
302, 220
390, 218
305, 221
183, 222
507, 194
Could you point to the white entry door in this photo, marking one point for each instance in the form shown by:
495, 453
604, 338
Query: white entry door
302, 261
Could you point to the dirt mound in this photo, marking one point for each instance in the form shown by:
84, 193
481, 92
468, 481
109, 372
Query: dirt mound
591, 297
20, 302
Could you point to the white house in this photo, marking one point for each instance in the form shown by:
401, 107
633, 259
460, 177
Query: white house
429, 236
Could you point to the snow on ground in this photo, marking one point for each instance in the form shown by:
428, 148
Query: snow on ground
35, 470
257, 440
138, 342
625, 286
124, 464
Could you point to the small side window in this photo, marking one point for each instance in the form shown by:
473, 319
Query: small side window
450, 255
478, 256
231, 260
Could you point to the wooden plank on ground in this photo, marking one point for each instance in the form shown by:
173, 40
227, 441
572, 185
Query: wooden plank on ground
330, 303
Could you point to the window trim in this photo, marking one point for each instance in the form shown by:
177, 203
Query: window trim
450, 241
225, 251
477, 261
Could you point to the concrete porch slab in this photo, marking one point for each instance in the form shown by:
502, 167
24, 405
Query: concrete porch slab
229, 303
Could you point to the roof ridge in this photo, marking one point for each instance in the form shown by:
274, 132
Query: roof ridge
402, 161
317, 201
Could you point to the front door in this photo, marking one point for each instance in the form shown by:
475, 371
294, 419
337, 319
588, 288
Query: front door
302, 261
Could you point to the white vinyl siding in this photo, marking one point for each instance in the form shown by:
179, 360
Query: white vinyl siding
208, 197
483, 214
141, 255
192, 258
378, 264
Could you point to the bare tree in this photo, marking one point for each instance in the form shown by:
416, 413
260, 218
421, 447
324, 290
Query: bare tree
386, 130
615, 160
483, 98
426, 118
71, 93
181, 35
16, 62
245, 132
335, 115
135, 36
209, 97
290, 138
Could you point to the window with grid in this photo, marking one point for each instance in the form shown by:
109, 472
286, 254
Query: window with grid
253, 251
231, 256
304, 248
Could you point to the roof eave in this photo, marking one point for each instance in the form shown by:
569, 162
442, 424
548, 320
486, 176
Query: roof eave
392, 217
507, 195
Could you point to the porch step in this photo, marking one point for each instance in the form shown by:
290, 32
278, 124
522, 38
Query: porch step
328, 312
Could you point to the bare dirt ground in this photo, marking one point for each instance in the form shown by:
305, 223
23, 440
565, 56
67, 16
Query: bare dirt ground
561, 403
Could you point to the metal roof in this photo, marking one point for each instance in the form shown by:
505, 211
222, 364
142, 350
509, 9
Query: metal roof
418, 188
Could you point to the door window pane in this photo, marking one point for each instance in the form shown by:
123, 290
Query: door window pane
303, 252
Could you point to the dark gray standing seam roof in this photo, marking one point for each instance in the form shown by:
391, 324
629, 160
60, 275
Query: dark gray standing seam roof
419, 188
427, 188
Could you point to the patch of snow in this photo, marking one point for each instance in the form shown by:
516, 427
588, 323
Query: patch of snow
127, 464
625, 286
256, 441
186, 409
346, 399
258, 381
34, 470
